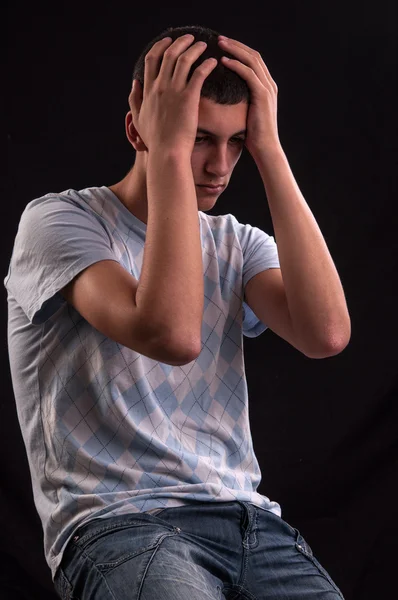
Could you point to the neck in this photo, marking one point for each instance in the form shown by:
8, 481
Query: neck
132, 192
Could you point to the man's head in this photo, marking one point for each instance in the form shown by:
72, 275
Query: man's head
222, 112
222, 86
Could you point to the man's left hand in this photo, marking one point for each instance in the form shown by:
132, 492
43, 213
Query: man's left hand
262, 128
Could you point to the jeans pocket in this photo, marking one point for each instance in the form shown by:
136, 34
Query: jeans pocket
62, 586
305, 549
156, 511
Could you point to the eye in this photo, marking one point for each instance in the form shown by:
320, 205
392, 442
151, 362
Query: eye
234, 140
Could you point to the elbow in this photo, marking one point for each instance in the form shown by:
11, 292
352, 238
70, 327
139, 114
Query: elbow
338, 348
336, 341
184, 353
332, 348
191, 354
340, 340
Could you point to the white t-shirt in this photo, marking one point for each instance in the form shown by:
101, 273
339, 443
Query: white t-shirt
109, 431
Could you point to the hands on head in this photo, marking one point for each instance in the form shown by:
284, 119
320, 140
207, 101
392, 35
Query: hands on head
165, 112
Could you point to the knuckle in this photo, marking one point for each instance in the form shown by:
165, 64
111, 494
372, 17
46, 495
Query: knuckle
170, 52
184, 58
204, 66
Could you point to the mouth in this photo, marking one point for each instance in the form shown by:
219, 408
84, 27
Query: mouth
214, 189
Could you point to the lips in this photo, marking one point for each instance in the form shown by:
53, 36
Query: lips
211, 186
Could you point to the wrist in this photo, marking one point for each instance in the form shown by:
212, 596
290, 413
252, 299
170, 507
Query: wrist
171, 154
270, 151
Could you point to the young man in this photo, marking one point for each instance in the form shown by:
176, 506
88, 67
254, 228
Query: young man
127, 306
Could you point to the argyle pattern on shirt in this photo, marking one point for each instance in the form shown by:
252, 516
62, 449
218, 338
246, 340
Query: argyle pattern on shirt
107, 430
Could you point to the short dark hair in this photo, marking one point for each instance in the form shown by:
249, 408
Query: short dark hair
223, 85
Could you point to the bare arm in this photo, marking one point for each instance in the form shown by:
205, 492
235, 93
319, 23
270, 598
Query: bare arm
160, 315
170, 291
165, 115
104, 294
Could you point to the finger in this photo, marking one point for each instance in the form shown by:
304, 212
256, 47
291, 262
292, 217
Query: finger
248, 56
185, 62
252, 75
244, 71
229, 42
170, 57
152, 60
200, 74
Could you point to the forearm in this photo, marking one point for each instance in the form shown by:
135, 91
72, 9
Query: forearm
313, 288
171, 289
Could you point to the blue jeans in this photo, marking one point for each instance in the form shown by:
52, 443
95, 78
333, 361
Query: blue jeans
205, 551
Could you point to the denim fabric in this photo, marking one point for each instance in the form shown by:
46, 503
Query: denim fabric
206, 551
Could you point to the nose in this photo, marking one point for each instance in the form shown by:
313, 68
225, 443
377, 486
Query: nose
219, 163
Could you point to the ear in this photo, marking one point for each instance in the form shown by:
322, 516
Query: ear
132, 134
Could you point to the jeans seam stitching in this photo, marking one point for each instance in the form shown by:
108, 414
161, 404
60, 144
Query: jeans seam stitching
100, 574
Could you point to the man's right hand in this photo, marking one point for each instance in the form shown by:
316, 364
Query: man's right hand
166, 113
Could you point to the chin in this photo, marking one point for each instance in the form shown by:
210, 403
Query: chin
205, 205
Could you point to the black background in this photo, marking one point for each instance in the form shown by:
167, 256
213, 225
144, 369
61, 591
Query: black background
325, 431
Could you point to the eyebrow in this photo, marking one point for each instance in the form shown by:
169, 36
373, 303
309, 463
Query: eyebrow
201, 130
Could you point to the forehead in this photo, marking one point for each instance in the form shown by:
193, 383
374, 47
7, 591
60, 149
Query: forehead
222, 119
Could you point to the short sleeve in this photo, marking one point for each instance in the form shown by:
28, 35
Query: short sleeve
56, 239
260, 253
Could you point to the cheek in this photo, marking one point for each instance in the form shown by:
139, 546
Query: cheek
197, 164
